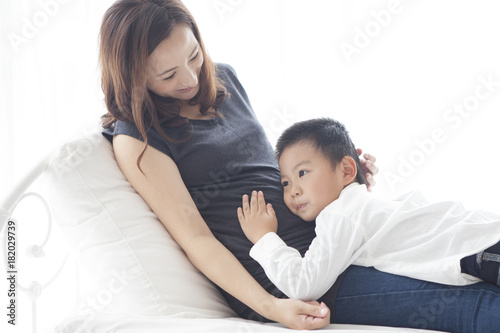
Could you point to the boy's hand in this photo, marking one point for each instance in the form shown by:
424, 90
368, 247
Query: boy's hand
257, 218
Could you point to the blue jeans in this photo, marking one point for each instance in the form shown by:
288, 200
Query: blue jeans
370, 297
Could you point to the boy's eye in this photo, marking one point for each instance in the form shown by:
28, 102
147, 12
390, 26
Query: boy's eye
285, 183
302, 173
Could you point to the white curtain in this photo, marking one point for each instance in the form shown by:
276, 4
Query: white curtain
49, 83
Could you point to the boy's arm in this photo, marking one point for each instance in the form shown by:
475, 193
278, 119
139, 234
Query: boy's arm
256, 218
308, 278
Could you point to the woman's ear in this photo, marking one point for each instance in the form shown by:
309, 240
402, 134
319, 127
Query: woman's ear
349, 169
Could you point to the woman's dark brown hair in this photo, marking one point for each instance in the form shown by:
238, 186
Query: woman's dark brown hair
130, 32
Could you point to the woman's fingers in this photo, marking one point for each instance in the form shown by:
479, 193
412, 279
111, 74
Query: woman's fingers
371, 181
370, 164
314, 310
368, 168
316, 316
370, 157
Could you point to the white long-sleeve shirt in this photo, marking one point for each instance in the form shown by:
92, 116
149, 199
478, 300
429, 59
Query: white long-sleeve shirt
408, 236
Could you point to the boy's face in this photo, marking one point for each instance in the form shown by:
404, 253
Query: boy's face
309, 181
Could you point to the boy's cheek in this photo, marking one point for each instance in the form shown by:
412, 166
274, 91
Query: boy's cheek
290, 207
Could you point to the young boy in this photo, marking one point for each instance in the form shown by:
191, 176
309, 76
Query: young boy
438, 242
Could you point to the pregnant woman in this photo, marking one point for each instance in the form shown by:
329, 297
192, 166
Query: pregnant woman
185, 136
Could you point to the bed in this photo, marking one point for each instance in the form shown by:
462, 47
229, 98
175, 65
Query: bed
102, 261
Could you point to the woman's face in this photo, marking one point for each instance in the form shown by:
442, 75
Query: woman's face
174, 66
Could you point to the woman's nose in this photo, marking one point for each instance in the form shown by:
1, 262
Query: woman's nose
189, 78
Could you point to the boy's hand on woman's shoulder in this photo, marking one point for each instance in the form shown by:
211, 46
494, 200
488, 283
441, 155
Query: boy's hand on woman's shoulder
256, 218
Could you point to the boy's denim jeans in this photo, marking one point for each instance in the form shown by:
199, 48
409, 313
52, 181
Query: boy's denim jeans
367, 296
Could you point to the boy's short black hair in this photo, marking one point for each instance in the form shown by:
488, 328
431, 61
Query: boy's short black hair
328, 136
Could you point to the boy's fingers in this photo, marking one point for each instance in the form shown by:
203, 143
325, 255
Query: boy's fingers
253, 202
244, 203
270, 210
241, 217
262, 202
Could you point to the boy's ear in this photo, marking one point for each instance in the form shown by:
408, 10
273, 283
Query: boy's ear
349, 169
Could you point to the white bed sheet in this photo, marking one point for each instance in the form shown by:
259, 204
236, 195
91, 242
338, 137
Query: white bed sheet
133, 324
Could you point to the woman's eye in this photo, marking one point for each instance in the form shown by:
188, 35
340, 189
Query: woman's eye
195, 56
302, 173
285, 183
168, 78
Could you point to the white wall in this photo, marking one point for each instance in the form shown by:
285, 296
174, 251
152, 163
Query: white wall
404, 65
396, 73
406, 77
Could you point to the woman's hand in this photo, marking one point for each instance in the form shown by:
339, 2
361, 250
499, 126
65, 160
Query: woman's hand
256, 218
299, 315
369, 169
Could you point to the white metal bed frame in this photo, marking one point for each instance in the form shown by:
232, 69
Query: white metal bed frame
7, 207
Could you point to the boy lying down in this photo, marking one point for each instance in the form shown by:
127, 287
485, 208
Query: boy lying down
437, 242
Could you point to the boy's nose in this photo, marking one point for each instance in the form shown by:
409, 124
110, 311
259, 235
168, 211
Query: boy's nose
296, 190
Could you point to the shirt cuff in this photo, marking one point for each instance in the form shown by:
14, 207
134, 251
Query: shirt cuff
266, 246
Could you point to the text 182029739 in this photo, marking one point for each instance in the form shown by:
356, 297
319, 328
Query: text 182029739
11, 272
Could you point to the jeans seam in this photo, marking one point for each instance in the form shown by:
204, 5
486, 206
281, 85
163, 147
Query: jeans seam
403, 291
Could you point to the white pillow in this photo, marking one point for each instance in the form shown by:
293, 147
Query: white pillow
128, 262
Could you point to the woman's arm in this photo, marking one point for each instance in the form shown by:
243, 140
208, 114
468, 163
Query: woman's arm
161, 186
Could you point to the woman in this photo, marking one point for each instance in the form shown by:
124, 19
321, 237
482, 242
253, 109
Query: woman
186, 138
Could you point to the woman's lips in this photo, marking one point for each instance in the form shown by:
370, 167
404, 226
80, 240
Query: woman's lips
183, 91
